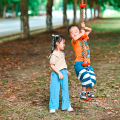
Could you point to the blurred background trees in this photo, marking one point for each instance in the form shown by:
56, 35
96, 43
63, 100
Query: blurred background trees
94, 9
38, 7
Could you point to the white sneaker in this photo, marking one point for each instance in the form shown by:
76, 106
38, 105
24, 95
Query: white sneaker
52, 111
70, 109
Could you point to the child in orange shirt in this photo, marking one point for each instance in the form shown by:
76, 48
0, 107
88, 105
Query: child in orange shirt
86, 76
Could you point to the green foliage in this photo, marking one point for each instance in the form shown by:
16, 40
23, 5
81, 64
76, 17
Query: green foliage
37, 5
114, 3
70, 1
9, 2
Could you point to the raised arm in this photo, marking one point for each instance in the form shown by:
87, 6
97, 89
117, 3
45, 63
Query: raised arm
79, 35
87, 29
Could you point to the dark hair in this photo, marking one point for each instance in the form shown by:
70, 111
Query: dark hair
71, 27
56, 38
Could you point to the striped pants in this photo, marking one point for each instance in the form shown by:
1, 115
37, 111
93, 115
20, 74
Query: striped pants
86, 76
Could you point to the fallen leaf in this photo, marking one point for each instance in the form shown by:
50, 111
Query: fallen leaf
12, 97
85, 107
109, 112
115, 101
33, 81
100, 98
108, 95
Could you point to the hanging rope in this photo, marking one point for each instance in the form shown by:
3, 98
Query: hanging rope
82, 12
84, 47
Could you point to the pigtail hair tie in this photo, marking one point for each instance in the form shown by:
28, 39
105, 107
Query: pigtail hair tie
54, 37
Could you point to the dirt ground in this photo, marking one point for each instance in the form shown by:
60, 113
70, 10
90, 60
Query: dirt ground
25, 78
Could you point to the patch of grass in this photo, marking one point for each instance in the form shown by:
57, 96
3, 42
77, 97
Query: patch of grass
114, 14
101, 90
111, 85
42, 78
68, 65
105, 25
42, 83
34, 85
4, 82
98, 83
29, 99
98, 108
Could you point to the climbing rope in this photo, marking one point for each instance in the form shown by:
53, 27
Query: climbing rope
83, 37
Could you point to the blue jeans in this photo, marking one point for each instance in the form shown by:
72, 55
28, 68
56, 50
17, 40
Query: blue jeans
55, 89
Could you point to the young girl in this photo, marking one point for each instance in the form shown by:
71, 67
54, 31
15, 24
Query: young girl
59, 76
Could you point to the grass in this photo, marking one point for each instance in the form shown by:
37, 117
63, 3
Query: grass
33, 93
115, 14
105, 25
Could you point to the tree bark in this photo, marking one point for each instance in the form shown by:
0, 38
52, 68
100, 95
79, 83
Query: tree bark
80, 10
99, 11
24, 19
65, 21
86, 11
13, 8
1, 11
91, 6
95, 7
4, 11
74, 7
91, 13
49, 15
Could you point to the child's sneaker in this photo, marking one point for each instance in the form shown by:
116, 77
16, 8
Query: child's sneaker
52, 111
83, 95
90, 95
70, 109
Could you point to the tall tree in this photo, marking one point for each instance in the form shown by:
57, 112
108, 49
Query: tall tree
86, 11
49, 15
14, 2
99, 11
24, 19
94, 7
74, 7
91, 7
4, 10
65, 21
1, 11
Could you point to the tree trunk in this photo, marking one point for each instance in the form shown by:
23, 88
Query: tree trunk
13, 8
74, 7
49, 15
4, 11
94, 5
99, 11
91, 6
65, 21
86, 11
24, 19
1, 11
80, 10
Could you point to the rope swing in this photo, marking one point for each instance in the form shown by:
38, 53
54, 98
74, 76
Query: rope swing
85, 64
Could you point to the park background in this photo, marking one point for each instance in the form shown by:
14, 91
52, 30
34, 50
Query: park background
24, 63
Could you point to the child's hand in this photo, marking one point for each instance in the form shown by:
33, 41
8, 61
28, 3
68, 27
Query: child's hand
83, 32
83, 25
60, 76
69, 74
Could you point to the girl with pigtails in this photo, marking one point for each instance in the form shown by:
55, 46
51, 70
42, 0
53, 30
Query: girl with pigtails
59, 76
